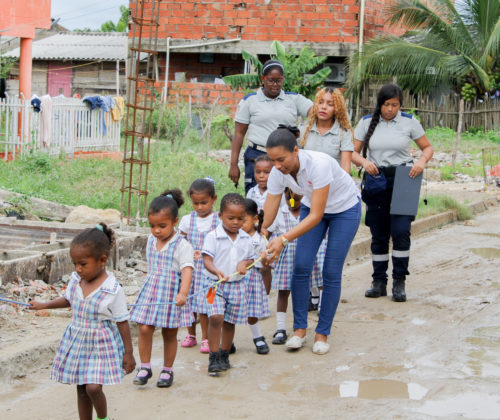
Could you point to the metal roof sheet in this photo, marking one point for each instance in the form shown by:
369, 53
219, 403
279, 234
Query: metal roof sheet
109, 46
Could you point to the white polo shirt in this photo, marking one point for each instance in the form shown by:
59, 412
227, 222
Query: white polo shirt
332, 142
389, 144
317, 170
264, 114
227, 253
259, 245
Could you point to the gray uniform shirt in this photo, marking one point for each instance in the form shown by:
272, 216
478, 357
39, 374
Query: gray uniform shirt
334, 141
263, 114
390, 143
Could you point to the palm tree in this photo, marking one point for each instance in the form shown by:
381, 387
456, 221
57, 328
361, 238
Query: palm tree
444, 46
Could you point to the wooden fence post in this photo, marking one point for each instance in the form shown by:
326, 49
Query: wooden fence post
459, 131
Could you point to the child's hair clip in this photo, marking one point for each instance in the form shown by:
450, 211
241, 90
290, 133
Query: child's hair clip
99, 227
209, 178
292, 202
169, 196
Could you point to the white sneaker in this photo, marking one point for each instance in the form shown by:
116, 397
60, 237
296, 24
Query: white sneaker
295, 342
320, 347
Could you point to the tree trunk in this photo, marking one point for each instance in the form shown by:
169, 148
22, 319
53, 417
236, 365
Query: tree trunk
459, 131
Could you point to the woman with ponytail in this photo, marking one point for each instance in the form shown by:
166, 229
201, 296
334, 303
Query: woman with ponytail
381, 143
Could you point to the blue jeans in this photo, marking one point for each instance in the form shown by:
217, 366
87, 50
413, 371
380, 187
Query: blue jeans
342, 229
249, 159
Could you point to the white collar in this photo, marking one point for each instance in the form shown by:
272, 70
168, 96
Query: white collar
220, 233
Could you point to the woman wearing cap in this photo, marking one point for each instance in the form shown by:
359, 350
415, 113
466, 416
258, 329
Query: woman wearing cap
330, 202
259, 113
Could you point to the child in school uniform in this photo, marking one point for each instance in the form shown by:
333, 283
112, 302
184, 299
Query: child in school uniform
262, 169
97, 345
257, 298
288, 218
162, 299
195, 227
227, 252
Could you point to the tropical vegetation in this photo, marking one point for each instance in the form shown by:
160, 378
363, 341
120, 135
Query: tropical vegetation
447, 44
299, 67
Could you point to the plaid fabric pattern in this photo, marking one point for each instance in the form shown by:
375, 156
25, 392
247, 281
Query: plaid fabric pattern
257, 299
91, 351
317, 272
196, 238
161, 286
282, 277
231, 302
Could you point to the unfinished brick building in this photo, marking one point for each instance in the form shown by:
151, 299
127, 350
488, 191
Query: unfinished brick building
330, 27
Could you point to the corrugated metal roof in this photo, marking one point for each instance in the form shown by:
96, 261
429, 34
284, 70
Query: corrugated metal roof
109, 46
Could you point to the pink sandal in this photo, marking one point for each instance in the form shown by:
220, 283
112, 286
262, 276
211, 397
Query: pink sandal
204, 347
189, 341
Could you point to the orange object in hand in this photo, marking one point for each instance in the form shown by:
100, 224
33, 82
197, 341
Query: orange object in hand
211, 296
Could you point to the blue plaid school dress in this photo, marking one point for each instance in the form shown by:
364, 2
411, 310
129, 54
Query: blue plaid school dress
317, 272
282, 277
196, 238
91, 350
161, 286
257, 298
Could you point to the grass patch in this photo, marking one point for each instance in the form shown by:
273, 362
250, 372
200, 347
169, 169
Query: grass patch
97, 182
443, 140
441, 203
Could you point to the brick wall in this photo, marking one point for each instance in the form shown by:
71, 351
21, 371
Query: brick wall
285, 20
203, 93
375, 19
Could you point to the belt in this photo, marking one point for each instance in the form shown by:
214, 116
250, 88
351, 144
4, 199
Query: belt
257, 147
391, 170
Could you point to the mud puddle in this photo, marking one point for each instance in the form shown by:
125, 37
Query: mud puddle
484, 358
375, 389
486, 252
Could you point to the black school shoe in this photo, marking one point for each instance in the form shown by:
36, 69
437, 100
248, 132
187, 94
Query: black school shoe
214, 363
232, 350
143, 380
224, 359
165, 383
262, 349
280, 337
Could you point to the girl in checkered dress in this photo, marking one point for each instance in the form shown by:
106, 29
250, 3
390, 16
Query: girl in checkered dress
257, 298
96, 347
195, 227
227, 252
162, 301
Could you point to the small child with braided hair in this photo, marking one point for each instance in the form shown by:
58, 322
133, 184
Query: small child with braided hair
96, 347
162, 299
195, 227
257, 298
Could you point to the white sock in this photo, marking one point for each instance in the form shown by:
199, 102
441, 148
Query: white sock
256, 332
320, 297
315, 291
281, 321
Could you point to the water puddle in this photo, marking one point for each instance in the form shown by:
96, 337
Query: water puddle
472, 406
486, 252
381, 370
365, 316
375, 389
492, 235
485, 356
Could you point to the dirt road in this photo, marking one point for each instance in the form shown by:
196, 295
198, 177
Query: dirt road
435, 356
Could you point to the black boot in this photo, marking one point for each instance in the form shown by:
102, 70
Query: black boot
398, 290
224, 359
378, 289
214, 363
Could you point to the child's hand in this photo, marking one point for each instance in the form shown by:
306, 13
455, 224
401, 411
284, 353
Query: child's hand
242, 268
265, 233
197, 255
37, 305
128, 362
222, 276
263, 258
180, 299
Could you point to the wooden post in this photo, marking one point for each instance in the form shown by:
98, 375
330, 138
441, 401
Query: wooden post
459, 131
117, 77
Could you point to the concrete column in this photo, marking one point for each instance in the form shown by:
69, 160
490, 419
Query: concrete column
25, 67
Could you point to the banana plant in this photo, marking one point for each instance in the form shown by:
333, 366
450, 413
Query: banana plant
300, 76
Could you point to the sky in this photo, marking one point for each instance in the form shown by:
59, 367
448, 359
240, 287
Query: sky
78, 14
